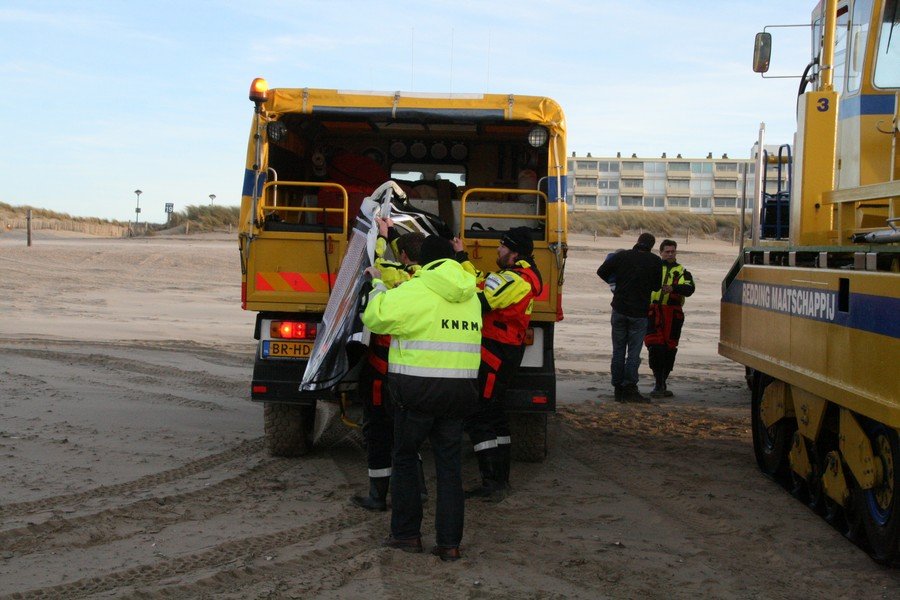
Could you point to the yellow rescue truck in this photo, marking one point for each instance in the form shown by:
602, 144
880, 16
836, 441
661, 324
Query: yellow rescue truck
812, 306
470, 165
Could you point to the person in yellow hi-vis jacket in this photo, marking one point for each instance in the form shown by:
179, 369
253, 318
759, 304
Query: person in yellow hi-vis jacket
666, 317
378, 423
507, 297
434, 321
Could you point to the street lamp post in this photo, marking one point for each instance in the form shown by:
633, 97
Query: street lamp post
137, 208
212, 199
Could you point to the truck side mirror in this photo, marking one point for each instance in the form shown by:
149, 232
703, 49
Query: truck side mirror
762, 52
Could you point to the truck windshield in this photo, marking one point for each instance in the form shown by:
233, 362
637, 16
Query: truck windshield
887, 63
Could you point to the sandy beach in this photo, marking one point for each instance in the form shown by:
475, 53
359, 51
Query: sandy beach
132, 461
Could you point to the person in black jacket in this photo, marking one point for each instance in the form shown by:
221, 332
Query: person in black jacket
637, 274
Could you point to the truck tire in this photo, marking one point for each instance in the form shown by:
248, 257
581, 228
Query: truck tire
770, 444
287, 429
529, 436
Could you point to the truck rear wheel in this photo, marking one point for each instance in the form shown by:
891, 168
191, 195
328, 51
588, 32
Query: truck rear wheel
529, 436
287, 429
770, 444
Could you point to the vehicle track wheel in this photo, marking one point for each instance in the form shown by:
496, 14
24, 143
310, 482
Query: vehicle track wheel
880, 510
815, 492
770, 444
834, 514
809, 489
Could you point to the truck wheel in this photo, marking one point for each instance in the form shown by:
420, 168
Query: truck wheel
287, 428
770, 444
529, 436
880, 506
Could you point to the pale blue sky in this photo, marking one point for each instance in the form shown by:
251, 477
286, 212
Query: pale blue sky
103, 97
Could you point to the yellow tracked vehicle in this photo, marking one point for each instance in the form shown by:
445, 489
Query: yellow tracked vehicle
812, 305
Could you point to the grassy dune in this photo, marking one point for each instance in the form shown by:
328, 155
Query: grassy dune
661, 224
225, 218
192, 218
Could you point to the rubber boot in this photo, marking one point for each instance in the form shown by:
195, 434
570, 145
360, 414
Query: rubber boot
505, 459
423, 489
487, 462
659, 391
377, 498
666, 391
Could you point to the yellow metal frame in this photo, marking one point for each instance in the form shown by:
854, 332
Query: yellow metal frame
833, 481
856, 448
849, 202
810, 411
814, 168
775, 402
799, 458
263, 208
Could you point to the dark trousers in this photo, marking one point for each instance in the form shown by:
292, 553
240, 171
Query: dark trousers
662, 359
664, 325
489, 426
378, 424
627, 341
411, 429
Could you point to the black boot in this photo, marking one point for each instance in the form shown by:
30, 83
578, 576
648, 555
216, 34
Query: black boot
377, 498
666, 391
659, 390
505, 458
633, 394
487, 463
423, 489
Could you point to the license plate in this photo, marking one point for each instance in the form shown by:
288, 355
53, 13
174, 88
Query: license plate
273, 349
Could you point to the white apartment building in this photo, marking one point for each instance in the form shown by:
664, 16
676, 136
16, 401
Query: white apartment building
699, 185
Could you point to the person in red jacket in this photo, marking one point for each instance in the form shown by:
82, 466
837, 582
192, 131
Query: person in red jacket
507, 297
666, 317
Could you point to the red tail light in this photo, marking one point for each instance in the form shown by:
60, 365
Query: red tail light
292, 330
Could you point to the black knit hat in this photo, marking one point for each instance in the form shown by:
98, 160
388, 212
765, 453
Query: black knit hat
434, 247
519, 241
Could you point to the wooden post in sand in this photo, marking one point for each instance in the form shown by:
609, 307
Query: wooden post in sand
28, 225
687, 237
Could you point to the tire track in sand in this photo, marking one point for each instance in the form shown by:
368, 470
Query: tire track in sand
194, 467
138, 517
160, 573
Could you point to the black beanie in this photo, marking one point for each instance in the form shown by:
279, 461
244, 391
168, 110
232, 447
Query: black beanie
519, 241
434, 247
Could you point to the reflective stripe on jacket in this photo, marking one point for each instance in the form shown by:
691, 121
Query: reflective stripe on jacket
508, 299
434, 320
392, 275
682, 282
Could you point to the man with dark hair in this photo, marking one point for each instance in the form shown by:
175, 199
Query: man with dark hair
666, 317
378, 422
637, 274
434, 321
507, 297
